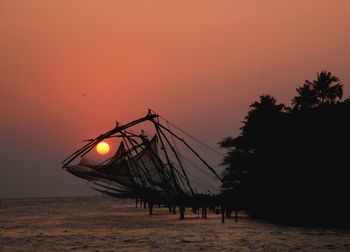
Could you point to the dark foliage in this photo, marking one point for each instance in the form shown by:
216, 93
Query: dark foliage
291, 164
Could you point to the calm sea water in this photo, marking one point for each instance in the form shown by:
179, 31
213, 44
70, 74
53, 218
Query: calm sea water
103, 224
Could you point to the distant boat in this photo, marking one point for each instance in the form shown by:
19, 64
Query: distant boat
151, 168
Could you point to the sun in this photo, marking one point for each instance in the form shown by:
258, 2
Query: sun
102, 148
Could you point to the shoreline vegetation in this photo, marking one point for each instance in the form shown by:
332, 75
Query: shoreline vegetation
290, 164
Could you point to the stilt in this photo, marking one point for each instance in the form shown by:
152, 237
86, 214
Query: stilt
174, 209
228, 213
169, 208
136, 202
205, 212
141, 203
150, 206
236, 215
182, 212
144, 204
222, 215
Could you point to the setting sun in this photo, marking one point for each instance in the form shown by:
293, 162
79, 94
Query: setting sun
102, 148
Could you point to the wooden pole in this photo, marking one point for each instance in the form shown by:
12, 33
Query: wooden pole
228, 213
177, 187
150, 206
177, 158
188, 146
222, 215
89, 146
182, 212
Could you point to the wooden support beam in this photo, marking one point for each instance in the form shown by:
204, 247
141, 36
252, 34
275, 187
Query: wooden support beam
182, 212
222, 214
177, 158
150, 206
188, 146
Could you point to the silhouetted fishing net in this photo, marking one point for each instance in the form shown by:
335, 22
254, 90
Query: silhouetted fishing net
158, 166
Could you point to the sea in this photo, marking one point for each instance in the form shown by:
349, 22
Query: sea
107, 224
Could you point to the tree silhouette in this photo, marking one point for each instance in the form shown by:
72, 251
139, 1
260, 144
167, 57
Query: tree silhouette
326, 89
307, 97
267, 103
261, 120
290, 165
244, 152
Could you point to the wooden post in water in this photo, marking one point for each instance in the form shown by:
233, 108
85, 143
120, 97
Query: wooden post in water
182, 212
136, 202
236, 215
228, 213
174, 209
222, 214
150, 206
144, 205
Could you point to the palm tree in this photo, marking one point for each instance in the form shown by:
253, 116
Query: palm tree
307, 97
267, 103
262, 116
328, 87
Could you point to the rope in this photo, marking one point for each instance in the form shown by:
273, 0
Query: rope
187, 134
172, 138
202, 181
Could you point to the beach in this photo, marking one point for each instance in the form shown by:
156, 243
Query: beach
106, 224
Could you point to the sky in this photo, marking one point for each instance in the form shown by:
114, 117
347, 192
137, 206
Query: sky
70, 69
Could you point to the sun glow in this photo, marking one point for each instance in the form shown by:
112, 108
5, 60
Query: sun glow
102, 148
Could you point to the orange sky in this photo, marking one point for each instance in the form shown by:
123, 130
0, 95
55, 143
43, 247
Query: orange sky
69, 69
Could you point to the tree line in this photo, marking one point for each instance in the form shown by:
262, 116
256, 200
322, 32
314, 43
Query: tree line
290, 163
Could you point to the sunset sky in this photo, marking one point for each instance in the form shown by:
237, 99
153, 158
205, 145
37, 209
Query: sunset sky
70, 68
